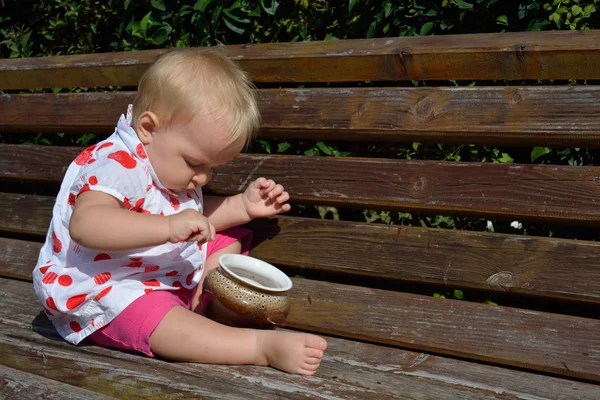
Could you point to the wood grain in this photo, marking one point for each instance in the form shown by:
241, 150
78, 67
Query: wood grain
15, 384
545, 193
348, 369
26, 214
542, 267
553, 343
524, 55
522, 116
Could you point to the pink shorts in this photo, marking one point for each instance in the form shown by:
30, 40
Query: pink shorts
131, 329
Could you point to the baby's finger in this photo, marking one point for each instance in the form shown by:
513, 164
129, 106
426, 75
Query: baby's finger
277, 190
261, 183
281, 208
283, 197
267, 189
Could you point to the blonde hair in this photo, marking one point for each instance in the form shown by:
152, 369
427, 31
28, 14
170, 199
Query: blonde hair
185, 82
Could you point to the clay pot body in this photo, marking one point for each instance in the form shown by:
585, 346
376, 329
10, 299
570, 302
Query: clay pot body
246, 292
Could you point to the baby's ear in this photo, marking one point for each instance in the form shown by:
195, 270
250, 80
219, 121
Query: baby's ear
146, 126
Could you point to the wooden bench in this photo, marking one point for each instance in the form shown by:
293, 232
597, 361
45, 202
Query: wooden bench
367, 287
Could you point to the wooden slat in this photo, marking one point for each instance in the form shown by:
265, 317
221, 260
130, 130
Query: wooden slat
550, 268
523, 116
559, 344
525, 55
378, 371
25, 214
15, 384
548, 193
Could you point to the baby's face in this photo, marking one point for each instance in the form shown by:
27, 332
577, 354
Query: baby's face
185, 154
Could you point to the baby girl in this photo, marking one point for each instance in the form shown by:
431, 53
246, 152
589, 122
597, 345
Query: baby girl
132, 236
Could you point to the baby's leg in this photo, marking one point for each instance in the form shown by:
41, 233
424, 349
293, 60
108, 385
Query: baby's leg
186, 336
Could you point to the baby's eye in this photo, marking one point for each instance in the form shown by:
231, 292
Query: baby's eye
190, 164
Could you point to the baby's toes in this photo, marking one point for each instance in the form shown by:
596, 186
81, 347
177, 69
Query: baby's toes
315, 342
310, 367
313, 353
313, 360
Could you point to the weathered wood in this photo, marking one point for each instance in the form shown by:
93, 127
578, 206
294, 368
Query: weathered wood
542, 267
15, 384
377, 371
18, 258
21, 213
520, 116
547, 193
559, 344
551, 268
524, 55
533, 340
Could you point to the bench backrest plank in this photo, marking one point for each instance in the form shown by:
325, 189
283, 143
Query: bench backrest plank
566, 116
531, 55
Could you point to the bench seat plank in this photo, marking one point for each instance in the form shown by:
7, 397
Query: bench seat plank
544, 267
15, 384
530, 192
518, 55
353, 368
521, 116
540, 341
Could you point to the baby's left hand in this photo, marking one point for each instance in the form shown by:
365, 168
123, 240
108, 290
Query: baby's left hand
264, 198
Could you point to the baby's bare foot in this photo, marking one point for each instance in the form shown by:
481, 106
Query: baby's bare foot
297, 353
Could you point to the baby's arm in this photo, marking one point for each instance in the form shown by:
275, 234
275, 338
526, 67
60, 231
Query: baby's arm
101, 222
225, 212
262, 198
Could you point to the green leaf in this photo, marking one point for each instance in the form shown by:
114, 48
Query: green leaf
311, 152
458, 294
266, 146
25, 39
227, 12
234, 28
351, 4
426, 28
255, 12
201, 5
282, 147
463, 4
126, 5
505, 159
387, 9
538, 152
161, 35
431, 13
270, 10
159, 5
503, 20
93, 27
491, 303
576, 10
144, 23
371, 30
324, 148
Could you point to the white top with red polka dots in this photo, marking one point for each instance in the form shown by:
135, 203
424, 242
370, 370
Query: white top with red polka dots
83, 289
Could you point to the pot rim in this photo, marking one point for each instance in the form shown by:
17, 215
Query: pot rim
256, 267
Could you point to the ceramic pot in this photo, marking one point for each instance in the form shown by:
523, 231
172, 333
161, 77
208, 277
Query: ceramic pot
246, 292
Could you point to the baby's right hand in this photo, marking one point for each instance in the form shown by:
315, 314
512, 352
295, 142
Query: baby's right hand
189, 225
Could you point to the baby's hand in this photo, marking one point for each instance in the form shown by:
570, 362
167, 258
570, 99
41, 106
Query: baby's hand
264, 198
189, 225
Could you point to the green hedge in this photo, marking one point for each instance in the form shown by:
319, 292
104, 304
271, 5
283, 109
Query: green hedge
51, 27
